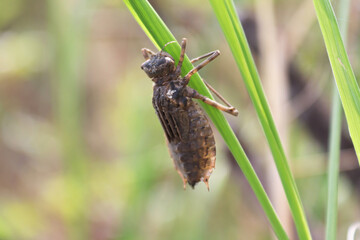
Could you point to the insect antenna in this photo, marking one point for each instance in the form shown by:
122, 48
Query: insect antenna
166, 45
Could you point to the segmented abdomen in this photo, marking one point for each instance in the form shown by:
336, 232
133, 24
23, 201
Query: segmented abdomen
195, 158
189, 136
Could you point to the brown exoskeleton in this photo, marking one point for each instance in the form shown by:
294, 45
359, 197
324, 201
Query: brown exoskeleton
189, 136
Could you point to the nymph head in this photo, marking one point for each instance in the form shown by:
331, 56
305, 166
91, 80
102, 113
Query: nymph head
157, 64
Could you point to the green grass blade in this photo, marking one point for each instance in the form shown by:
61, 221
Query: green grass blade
333, 167
343, 73
235, 36
156, 30
334, 143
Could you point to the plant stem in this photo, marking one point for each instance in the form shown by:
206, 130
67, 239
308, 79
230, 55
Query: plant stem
234, 33
334, 143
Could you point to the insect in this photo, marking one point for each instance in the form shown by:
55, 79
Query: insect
188, 133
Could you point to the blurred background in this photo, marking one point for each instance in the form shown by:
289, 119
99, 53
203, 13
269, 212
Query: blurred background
83, 156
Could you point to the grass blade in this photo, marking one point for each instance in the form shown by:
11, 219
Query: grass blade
345, 79
334, 143
229, 22
333, 167
160, 35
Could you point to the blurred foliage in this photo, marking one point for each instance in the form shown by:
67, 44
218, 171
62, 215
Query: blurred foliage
10, 11
129, 188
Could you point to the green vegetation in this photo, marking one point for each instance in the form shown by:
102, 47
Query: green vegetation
334, 143
345, 79
83, 156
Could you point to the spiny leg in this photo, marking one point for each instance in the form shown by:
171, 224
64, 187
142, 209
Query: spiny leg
194, 94
230, 110
208, 85
217, 94
182, 54
202, 57
201, 65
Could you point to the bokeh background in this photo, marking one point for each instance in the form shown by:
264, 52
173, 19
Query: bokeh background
83, 156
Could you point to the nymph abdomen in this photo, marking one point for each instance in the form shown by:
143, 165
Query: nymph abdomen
194, 157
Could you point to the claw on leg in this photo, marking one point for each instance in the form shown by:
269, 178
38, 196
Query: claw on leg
194, 94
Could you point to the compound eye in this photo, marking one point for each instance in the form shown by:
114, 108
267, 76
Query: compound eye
145, 65
169, 60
